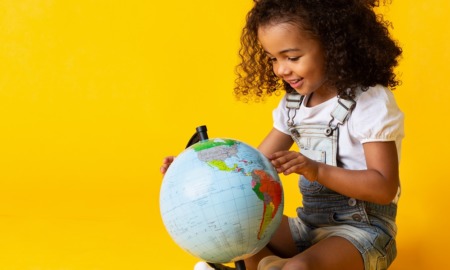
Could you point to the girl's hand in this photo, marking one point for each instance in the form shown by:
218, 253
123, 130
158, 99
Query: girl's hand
288, 162
166, 163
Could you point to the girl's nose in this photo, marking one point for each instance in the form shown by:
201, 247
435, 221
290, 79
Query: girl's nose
282, 69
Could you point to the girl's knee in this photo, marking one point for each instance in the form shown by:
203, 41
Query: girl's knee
277, 263
271, 263
297, 264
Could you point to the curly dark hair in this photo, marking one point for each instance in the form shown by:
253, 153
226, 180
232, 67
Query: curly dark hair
359, 51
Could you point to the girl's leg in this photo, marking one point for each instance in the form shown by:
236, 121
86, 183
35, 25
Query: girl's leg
334, 253
281, 245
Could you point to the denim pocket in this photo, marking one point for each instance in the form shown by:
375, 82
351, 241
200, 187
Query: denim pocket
381, 263
308, 186
315, 144
387, 247
391, 251
316, 155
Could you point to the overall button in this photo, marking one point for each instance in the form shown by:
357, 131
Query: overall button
357, 217
352, 202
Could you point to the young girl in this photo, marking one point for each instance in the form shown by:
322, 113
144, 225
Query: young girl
335, 59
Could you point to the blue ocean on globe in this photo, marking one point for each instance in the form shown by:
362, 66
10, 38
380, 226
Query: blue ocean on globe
221, 200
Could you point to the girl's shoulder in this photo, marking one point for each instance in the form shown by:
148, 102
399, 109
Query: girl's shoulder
376, 114
375, 98
373, 93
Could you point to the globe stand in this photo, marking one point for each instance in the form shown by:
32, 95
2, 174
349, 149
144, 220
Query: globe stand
240, 265
201, 134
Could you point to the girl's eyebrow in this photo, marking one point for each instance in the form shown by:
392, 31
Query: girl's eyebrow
289, 50
285, 51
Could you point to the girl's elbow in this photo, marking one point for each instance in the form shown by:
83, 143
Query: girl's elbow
385, 201
387, 196
389, 193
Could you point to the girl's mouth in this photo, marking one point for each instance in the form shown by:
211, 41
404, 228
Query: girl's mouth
295, 83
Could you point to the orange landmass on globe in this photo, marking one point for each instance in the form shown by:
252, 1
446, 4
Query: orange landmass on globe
270, 192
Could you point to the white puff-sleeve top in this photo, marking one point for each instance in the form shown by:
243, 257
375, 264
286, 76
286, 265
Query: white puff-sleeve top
376, 117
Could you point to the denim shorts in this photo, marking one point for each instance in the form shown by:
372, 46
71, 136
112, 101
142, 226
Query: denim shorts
377, 247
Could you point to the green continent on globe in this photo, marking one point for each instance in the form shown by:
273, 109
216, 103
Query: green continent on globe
221, 165
202, 145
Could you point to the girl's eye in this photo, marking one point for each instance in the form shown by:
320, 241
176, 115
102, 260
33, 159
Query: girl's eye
272, 59
293, 58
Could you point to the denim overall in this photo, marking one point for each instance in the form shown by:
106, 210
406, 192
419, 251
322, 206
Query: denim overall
325, 208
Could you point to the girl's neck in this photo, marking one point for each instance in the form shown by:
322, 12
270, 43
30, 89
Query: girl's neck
321, 95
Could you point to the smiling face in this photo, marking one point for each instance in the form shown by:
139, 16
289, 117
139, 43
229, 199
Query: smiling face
296, 58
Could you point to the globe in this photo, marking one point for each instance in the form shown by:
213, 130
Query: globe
221, 200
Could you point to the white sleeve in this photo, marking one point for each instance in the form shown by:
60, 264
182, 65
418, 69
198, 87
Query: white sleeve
377, 117
279, 115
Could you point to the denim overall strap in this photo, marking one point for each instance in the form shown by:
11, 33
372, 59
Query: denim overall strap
338, 116
293, 102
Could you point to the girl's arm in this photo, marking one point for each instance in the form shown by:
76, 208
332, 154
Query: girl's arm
275, 141
378, 183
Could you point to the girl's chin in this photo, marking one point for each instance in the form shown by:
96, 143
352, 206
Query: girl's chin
302, 90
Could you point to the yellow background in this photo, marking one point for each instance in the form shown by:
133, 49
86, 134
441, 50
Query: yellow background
93, 94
